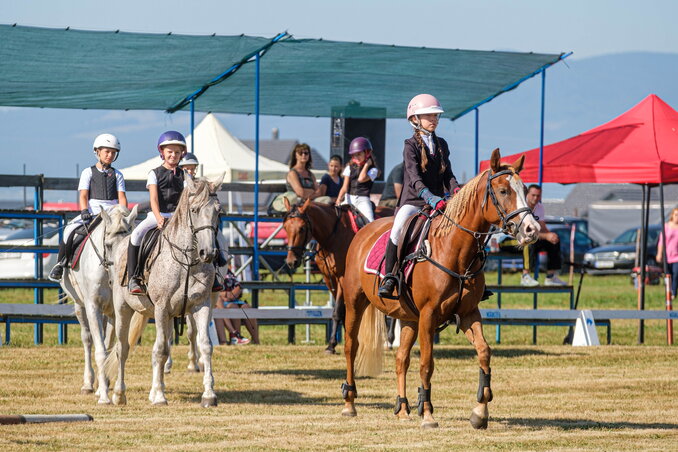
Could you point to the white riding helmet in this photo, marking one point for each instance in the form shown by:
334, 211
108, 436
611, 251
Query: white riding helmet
106, 140
189, 159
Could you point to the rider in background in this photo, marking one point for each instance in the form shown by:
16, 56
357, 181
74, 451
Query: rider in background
359, 176
101, 187
428, 177
189, 164
165, 184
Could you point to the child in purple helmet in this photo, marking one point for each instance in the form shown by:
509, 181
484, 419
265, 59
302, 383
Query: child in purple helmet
165, 184
428, 176
359, 176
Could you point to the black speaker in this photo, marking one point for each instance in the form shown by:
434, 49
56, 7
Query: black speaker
354, 121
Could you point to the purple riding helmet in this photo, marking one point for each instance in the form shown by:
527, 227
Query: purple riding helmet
171, 137
360, 144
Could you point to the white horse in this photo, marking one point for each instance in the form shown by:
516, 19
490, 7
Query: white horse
89, 286
179, 282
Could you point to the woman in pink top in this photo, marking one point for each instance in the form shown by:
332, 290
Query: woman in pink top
671, 230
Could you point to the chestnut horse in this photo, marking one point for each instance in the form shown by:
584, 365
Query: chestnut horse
447, 286
331, 227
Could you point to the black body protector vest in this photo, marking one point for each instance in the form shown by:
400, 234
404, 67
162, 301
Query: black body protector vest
170, 186
103, 185
356, 188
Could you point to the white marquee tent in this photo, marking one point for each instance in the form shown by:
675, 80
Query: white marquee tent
218, 152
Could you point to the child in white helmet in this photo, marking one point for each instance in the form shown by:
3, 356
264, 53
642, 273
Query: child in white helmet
189, 164
428, 176
100, 188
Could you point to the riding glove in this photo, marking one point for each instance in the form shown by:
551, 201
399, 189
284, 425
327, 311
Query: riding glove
86, 216
431, 199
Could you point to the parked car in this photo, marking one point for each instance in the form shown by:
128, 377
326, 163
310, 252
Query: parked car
14, 264
619, 256
582, 223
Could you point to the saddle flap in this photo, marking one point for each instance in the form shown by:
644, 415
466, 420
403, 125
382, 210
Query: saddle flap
78, 239
413, 233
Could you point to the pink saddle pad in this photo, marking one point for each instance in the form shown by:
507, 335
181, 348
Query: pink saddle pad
374, 263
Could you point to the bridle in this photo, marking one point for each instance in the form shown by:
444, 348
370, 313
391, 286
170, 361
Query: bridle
298, 250
507, 227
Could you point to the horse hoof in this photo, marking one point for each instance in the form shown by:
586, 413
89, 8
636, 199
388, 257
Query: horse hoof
349, 412
168, 371
406, 418
429, 424
119, 399
207, 402
192, 369
478, 422
86, 391
103, 402
160, 403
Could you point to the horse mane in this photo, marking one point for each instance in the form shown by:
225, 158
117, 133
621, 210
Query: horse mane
200, 193
458, 206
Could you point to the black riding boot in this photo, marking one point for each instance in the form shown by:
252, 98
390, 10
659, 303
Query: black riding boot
58, 270
135, 287
388, 284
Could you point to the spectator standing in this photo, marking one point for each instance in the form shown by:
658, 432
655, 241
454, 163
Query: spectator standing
671, 232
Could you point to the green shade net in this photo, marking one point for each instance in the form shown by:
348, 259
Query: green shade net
42, 67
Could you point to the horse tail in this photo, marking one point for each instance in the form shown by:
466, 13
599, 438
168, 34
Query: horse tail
111, 365
369, 361
137, 325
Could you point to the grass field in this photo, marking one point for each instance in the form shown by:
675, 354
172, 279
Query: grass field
287, 397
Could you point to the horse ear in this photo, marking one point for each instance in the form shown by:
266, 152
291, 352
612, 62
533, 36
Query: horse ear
129, 219
287, 204
105, 216
305, 205
518, 164
495, 161
215, 185
190, 183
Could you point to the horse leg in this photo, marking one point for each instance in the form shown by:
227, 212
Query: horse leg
202, 318
96, 323
123, 317
110, 333
354, 313
168, 364
193, 354
338, 315
426, 366
160, 355
408, 335
473, 329
86, 337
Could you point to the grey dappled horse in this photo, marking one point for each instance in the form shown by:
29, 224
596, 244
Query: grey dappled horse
89, 286
181, 264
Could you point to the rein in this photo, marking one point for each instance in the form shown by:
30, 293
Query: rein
188, 261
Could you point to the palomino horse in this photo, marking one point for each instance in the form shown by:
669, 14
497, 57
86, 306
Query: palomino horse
447, 286
89, 286
179, 283
331, 227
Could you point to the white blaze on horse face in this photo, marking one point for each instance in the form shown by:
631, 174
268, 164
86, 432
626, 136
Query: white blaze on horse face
529, 227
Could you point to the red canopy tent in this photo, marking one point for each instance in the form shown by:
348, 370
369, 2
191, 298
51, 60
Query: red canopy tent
639, 147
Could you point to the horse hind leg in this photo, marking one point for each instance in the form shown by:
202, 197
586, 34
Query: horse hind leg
159, 357
194, 362
473, 330
86, 337
201, 321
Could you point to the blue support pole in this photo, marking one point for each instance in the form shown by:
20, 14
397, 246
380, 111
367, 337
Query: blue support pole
541, 127
192, 125
476, 168
255, 267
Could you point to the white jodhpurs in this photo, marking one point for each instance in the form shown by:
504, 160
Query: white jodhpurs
404, 212
142, 228
362, 203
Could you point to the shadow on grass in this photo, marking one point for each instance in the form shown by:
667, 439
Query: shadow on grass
276, 397
470, 352
308, 374
583, 424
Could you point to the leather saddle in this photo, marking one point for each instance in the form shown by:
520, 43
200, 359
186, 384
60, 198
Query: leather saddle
144, 261
76, 242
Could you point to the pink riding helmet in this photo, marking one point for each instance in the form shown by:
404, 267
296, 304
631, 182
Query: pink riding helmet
423, 104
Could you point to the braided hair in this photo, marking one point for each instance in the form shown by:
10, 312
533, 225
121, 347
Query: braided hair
424, 156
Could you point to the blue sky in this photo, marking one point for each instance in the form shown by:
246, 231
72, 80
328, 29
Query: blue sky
53, 142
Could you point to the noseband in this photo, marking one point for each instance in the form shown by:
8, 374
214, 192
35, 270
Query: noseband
299, 249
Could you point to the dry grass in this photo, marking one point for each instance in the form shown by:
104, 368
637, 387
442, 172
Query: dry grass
288, 398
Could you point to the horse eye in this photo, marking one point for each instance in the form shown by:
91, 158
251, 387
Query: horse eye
503, 191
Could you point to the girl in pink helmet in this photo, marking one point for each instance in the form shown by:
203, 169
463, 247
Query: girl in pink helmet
428, 176
359, 176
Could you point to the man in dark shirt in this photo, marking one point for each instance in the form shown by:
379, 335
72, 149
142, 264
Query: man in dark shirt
393, 187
